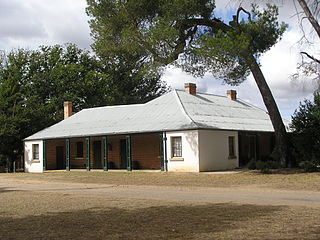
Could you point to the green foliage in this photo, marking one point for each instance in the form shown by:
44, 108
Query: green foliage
264, 166
310, 166
252, 164
34, 84
159, 32
306, 131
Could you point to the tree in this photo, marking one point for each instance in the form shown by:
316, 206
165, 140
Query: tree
189, 34
312, 65
306, 130
35, 83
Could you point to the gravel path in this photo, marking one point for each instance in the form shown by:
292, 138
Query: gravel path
243, 195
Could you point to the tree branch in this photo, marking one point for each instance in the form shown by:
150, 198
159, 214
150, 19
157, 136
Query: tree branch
311, 57
238, 13
310, 17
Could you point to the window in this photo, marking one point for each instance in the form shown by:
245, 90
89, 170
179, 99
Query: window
35, 151
231, 147
176, 145
79, 149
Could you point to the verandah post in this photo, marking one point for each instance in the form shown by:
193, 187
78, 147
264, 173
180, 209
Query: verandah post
129, 160
105, 153
67, 154
44, 155
161, 150
88, 153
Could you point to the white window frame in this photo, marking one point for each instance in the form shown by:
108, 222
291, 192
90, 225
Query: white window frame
176, 147
35, 151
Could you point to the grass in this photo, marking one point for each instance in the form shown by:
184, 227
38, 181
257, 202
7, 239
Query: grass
66, 215
281, 180
43, 215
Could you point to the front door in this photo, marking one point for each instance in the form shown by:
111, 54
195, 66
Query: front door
60, 160
123, 154
252, 153
97, 154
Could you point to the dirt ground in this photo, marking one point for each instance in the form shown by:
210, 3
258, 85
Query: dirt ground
104, 206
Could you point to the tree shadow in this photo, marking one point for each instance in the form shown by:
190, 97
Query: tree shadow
157, 222
5, 190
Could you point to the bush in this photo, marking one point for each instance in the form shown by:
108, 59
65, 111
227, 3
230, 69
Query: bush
264, 167
310, 166
306, 133
252, 164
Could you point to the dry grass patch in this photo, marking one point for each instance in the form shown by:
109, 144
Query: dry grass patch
291, 181
34, 215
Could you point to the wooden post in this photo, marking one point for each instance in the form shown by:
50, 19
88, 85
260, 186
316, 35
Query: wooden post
67, 154
129, 160
88, 153
161, 151
44, 155
105, 153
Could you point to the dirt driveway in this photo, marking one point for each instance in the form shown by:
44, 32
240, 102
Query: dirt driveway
241, 195
123, 206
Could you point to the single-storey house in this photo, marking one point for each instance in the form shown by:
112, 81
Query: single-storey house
178, 131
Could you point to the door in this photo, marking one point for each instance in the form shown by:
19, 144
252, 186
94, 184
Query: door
60, 160
123, 154
252, 153
97, 154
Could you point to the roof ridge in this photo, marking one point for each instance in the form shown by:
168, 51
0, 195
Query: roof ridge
204, 93
184, 110
115, 106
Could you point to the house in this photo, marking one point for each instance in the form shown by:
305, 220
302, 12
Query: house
178, 131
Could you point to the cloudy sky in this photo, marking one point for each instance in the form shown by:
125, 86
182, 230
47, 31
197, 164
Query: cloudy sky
31, 23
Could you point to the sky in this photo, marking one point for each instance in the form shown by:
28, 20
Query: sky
30, 24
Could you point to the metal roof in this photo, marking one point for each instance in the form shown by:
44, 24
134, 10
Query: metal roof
176, 110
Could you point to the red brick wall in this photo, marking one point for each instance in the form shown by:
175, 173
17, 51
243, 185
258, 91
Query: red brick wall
51, 153
114, 152
146, 151
77, 162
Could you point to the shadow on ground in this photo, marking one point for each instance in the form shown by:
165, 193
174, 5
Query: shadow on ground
5, 190
160, 222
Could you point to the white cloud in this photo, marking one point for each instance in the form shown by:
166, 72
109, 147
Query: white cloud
32, 23
29, 24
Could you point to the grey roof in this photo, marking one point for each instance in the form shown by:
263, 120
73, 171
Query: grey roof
176, 110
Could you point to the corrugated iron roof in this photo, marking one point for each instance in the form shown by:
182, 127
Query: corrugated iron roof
176, 110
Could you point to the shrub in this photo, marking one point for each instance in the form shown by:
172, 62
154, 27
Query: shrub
264, 167
310, 166
252, 164
306, 133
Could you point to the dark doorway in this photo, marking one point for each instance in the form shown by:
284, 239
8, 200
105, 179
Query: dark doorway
123, 154
247, 148
252, 154
97, 154
60, 160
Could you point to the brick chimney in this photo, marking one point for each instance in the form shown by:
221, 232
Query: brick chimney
232, 94
67, 109
190, 88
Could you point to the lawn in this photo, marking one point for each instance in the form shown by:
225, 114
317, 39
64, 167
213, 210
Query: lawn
35, 215
67, 215
291, 180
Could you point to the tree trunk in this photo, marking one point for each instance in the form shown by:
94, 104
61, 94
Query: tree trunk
270, 103
310, 16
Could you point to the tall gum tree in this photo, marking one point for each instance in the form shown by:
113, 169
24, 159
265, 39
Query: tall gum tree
189, 34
